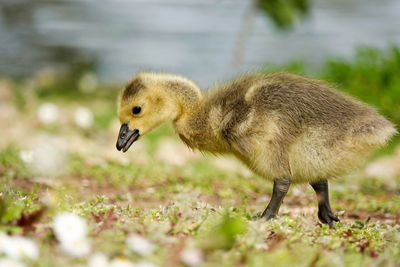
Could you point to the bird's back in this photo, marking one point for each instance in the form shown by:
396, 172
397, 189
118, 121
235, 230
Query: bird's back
299, 102
298, 118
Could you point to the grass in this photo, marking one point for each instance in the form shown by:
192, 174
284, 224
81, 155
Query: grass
199, 205
214, 211
203, 203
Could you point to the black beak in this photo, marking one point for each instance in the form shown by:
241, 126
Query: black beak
126, 137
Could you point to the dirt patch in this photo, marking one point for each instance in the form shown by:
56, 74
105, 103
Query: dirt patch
375, 217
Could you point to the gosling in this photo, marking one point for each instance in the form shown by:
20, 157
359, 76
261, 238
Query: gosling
284, 127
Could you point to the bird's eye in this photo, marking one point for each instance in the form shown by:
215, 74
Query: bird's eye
136, 110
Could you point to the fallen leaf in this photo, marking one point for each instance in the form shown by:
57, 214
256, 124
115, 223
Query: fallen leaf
27, 222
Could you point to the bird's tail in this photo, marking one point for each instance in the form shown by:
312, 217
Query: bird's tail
375, 131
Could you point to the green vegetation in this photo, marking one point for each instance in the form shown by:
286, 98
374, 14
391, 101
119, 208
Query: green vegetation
283, 13
187, 207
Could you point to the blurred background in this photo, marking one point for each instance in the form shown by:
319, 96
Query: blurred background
87, 50
206, 40
62, 65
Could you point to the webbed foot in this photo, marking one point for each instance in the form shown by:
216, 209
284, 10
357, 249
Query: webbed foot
326, 216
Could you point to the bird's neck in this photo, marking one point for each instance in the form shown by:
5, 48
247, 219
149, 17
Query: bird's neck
188, 98
190, 115
187, 119
188, 111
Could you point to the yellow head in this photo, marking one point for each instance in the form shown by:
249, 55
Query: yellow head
144, 104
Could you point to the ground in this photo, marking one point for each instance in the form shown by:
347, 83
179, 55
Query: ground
193, 209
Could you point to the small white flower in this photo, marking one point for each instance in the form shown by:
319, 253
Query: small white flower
10, 263
192, 257
139, 245
83, 117
121, 262
26, 156
48, 113
18, 247
70, 230
98, 260
49, 157
69, 227
76, 248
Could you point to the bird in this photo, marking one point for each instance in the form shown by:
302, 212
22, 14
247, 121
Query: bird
286, 128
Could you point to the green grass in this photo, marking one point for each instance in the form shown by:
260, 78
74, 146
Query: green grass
213, 210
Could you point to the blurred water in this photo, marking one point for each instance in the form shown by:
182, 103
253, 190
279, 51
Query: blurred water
191, 37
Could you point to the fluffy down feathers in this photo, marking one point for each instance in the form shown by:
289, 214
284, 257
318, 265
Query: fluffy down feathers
278, 124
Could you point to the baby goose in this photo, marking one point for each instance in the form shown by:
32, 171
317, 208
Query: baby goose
284, 127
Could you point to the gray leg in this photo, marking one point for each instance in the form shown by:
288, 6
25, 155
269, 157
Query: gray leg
325, 213
281, 187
